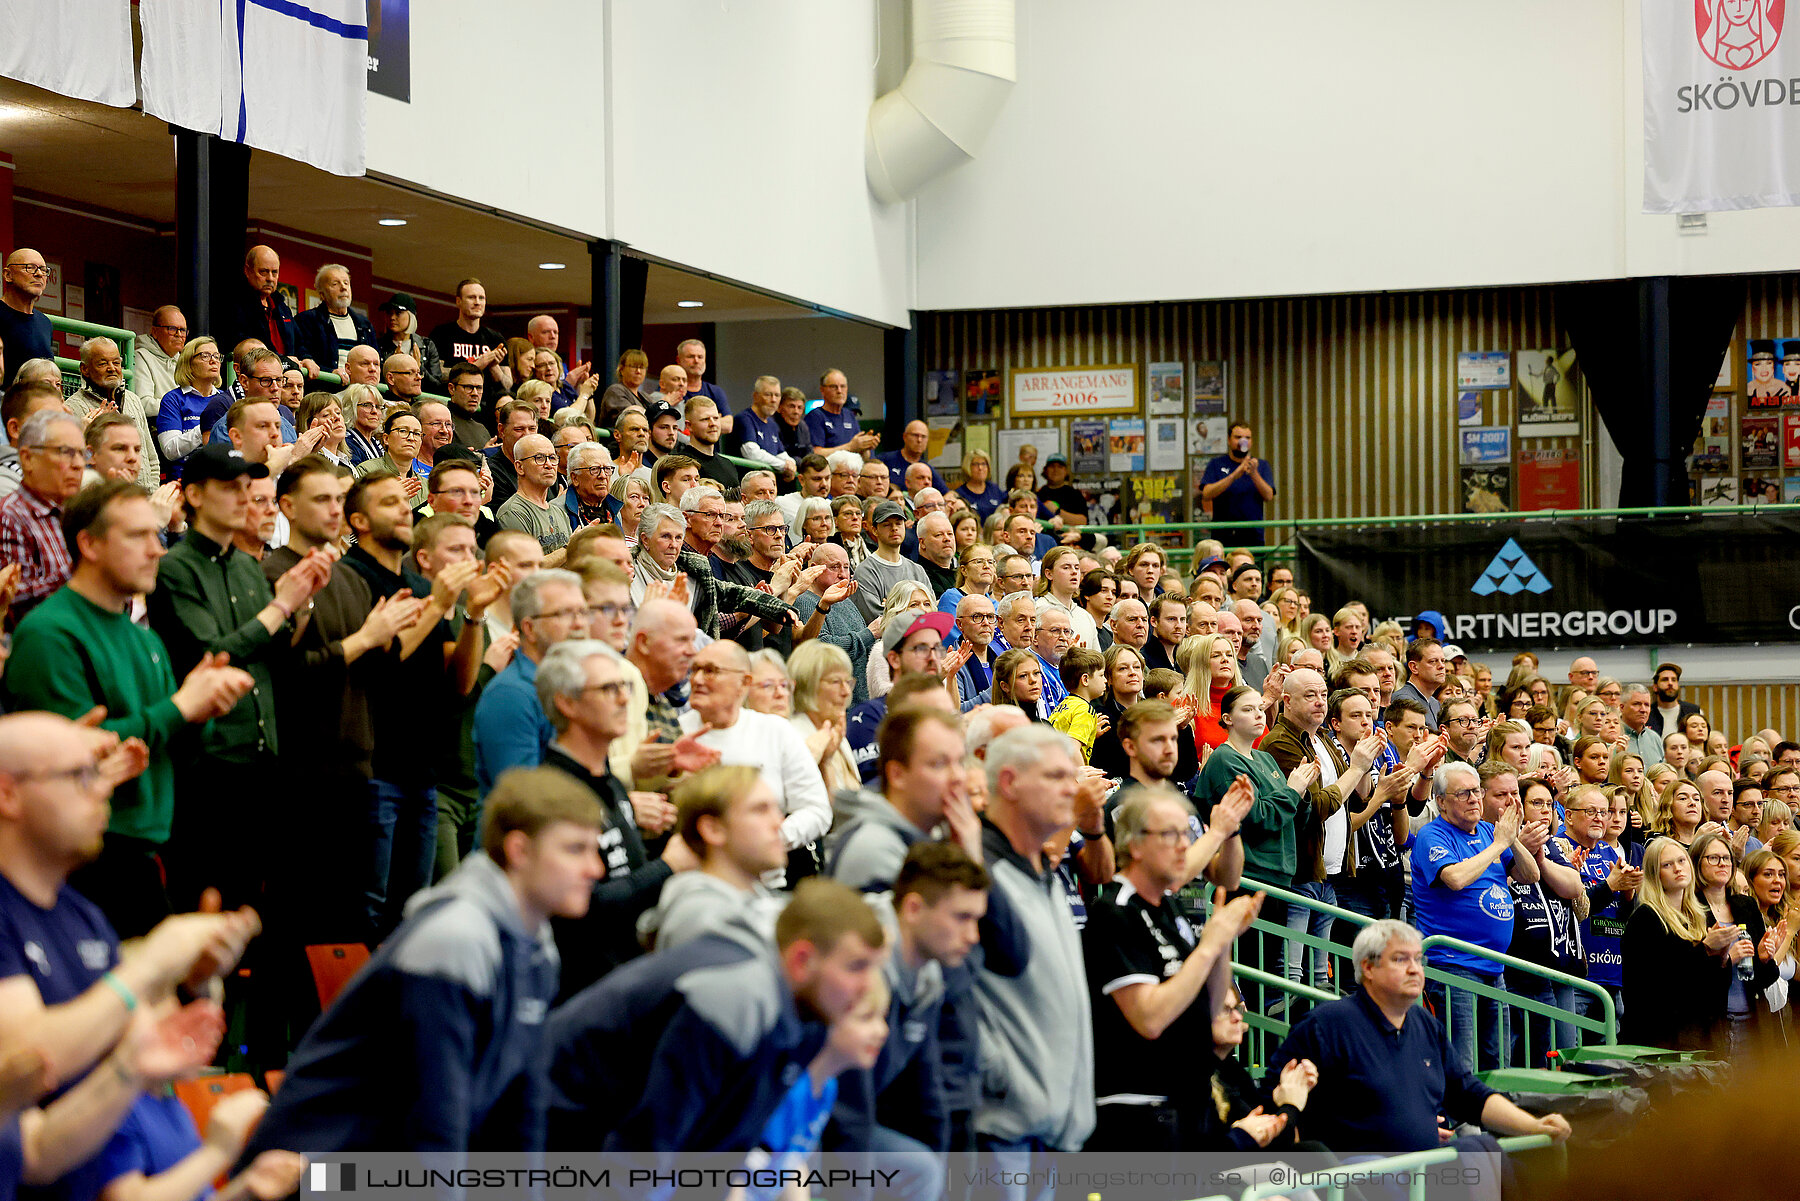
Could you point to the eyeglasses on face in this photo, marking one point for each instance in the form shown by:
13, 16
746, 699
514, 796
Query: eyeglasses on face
1716, 860
708, 670
617, 691
613, 612
207, 356
30, 269
540, 460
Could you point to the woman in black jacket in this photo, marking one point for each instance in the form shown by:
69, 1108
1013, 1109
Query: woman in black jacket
1674, 962
1236, 1121
1746, 1010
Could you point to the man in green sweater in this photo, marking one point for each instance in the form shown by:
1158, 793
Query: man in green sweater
212, 599
80, 650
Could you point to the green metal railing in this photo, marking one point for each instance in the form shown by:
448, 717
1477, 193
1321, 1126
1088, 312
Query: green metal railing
1332, 1182
71, 369
1263, 1025
1218, 529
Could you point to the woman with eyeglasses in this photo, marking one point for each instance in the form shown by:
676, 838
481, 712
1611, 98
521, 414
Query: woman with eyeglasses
364, 411
1674, 961
974, 577
847, 526
823, 688
400, 434
1547, 930
1231, 1122
198, 372
633, 491
1726, 907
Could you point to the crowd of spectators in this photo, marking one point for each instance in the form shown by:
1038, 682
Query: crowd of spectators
703, 781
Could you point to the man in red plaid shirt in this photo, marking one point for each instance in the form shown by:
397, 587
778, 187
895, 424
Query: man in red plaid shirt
52, 454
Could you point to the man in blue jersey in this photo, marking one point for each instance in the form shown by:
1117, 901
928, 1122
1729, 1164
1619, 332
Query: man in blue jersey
757, 435
832, 425
1460, 866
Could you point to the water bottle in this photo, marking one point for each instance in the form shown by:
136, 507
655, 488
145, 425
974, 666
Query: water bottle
1746, 967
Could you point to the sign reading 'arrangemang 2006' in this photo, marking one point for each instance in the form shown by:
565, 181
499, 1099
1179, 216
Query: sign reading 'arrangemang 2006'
1610, 582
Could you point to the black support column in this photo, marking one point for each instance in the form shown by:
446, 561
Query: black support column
618, 302
212, 211
905, 381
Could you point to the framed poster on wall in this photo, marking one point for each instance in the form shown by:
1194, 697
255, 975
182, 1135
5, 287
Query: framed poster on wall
1071, 391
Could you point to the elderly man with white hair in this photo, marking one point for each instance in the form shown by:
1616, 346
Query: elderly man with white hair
326, 332
1386, 1074
663, 568
589, 497
1460, 868
103, 388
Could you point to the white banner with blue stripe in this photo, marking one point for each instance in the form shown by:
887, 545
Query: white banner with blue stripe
288, 76
79, 48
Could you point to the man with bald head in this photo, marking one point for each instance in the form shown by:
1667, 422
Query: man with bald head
530, 510
662, 649
915, 440
917, 481
103, 388
1253, 654
154, 357
362, 366
403, 377
1322, 832
937, 551
24, 332
259, 312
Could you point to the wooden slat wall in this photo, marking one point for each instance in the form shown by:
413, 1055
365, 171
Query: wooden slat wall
1353, 398
1740, 710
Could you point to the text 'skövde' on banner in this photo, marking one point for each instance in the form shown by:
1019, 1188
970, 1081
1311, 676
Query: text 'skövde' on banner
1721, 105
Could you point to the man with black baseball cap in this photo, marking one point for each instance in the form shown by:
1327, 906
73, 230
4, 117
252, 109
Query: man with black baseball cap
665, 423
399, 326
886, 566
213, 604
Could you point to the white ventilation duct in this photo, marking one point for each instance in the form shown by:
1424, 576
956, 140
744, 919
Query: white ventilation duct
964, 63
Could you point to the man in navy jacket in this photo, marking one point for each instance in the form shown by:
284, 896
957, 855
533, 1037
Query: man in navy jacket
319, 337
694, 1048
438, 1043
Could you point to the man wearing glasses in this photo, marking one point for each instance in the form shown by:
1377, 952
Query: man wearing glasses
154, 357
405, 381
52, 454
589, 498
1462, 728
1783, 784
465, 388
261, 373
1147, 971
24, 332
1460, 868
529, 510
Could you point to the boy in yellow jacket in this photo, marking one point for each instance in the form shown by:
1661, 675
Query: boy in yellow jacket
1084, 676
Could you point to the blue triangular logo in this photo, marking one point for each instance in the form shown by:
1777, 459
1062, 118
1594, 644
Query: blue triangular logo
1511, 572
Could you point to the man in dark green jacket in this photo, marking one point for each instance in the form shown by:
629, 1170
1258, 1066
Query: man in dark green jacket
212, 599
79, 650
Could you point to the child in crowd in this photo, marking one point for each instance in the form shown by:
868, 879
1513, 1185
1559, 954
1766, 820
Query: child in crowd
1084, 676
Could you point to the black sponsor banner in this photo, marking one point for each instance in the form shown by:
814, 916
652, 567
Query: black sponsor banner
1607, 582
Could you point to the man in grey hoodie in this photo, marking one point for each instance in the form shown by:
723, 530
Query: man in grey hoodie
1037, 1034
730, 819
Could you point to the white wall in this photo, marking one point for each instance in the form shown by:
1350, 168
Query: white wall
1159, 151
738, 145
482, 82
797, 351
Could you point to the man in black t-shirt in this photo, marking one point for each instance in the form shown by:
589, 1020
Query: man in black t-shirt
468, 340
1058, 497
24, 332
1148, 970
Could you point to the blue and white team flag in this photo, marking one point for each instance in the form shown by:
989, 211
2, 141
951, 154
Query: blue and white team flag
286, 76
79, 48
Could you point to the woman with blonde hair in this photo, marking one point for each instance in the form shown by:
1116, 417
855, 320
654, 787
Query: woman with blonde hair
1390, 635
1675, 966
1289, 646
1679, 813
823, 689
847, 528
1212, 671
199, 370
978, 486
1766, 874
1777, 818
1715, 878
1315, 631
1283, 606
628, 377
